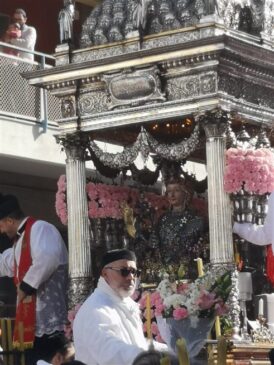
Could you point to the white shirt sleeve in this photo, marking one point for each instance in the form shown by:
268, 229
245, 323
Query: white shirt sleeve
259, 235
7, 263
48, 251
27, 40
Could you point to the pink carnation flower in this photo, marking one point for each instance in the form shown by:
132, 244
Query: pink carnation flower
220, 309
180, 313
206, 300
159, 310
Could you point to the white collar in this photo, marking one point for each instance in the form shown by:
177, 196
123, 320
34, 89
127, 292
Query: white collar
128, 302
21, 229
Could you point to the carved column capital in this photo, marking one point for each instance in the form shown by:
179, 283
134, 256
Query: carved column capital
74, 145
214, 122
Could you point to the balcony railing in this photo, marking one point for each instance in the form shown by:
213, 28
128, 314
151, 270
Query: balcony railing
17, 98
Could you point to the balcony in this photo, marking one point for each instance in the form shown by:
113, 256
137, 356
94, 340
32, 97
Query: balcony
17, 98
27, 118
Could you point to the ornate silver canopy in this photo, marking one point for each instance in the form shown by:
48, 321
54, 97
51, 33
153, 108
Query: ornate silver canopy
116, 20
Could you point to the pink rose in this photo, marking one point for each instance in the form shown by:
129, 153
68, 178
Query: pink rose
180, 313
220, 309
160, 308
206, 300
154, 328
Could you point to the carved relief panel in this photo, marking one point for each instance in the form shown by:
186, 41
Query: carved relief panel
191, 86
93, 102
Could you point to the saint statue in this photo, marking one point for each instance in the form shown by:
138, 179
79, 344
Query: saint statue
211, 6
140, 15
180, 232
65, 19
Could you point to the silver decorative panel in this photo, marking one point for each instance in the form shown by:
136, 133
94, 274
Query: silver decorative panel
134, 87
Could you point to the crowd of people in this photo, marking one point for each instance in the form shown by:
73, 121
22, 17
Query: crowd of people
21, 35
107, 329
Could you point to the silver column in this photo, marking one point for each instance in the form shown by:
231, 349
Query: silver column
80, 270
220, 223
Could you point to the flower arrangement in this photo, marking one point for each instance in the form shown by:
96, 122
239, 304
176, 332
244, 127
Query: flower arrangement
204, 298
155, 301
249, 169
106, 201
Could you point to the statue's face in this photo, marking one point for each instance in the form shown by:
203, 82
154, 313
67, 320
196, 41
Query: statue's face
176, 195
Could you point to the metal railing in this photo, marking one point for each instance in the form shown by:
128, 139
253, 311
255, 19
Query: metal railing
17, 98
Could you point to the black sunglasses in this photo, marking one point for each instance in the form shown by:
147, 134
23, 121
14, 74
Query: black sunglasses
124, 271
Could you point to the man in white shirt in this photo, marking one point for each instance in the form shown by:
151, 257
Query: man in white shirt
38, 263
28, 35
107, 329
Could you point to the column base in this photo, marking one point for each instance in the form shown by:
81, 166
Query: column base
79, 289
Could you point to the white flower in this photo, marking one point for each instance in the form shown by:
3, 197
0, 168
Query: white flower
165, 288
174, 300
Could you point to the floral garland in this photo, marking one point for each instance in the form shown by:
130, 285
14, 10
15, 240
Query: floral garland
249, 169
145, 144
106, 201
60, 202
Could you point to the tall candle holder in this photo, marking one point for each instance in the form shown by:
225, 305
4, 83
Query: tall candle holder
245, 294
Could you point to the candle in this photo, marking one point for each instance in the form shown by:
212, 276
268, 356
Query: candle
148, 313
217, 327
182, 352
200, 267
261, 307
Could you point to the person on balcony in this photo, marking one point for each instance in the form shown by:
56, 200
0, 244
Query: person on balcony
38, 263
28, 35
13, 32
107, 329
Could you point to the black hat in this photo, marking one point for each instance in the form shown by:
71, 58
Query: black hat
8, 204
120, 254
53, 344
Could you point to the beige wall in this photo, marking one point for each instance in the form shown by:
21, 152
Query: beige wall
35, 194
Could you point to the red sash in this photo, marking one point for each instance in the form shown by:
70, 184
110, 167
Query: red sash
24, 330
270, 265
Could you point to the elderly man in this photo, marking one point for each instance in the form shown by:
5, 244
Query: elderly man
38, 263
108, 329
